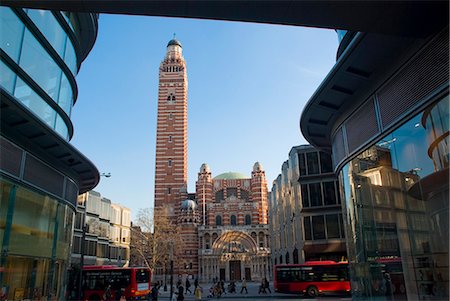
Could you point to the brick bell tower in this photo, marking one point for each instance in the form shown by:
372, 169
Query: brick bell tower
171, 130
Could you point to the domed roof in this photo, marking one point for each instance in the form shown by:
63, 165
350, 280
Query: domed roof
174, 42
205, 168
230, 176
188, 204
257, 167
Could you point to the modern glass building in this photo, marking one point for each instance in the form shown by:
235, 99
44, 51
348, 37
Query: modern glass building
305, 210
41, 174
383, 112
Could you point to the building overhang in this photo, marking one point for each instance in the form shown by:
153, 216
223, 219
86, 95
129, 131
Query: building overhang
26, 130
403, 18
365, 64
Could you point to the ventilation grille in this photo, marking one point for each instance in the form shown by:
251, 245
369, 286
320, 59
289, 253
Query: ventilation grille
338, 147
421, 77
10, 157
41, 175
71, 192
361, 126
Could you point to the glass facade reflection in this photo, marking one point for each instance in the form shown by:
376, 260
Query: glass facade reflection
397, 212
23, 48
35, 272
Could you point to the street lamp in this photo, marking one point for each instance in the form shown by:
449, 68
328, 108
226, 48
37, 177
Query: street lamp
83, 239
171, 267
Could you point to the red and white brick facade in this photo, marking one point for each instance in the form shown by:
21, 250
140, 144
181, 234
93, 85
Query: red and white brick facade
224, 225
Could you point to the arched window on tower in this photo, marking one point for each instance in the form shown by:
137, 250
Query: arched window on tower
173, 98
233, 220
218, 220
170, 138
169, 162
248, 219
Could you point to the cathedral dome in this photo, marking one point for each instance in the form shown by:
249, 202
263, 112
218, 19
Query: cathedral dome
174, 42
230, 176
258, 167
188, 205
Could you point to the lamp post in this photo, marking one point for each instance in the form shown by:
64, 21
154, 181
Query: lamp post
83, 239
171, 267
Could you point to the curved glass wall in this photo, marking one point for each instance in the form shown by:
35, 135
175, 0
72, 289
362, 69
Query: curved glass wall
397, 212
341, 34
24, 49
35, 251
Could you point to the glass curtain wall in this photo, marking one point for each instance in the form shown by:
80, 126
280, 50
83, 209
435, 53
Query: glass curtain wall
397, 212
35, 251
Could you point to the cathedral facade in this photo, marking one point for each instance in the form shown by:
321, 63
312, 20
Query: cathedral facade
223, 224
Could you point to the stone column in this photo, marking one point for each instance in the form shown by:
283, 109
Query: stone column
227, 271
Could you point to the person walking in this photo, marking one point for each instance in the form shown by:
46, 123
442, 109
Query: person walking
244, 286
198, 293
267, 284
180, 293
262, 287
188, 285
195, 284
154, 293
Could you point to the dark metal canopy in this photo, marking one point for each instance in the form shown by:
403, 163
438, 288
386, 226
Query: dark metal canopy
404, 18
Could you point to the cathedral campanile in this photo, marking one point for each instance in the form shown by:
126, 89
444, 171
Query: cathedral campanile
171, 130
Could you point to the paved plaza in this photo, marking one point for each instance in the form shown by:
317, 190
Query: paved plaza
253, 288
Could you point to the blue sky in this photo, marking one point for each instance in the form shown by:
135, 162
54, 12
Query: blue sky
248, 84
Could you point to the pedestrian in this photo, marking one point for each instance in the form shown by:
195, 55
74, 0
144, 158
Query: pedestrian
188, 285
198, 293
222, 287
154, 293
180, 293
244, 286
195, 283
267, 284
262, 287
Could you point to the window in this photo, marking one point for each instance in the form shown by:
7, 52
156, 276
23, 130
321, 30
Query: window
325, 163
218, 220
231, 192
295, 256
170, 138
305, 197
169, 190
248, 219
332, 226
329, 193
244, 194
341, 226
307, 227
169, 162
301, 159
170, 116
318, 227
287, 258
233, 220
219, 195
315, 194
313, 163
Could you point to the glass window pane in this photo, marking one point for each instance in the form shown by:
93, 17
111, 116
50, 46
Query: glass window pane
301, 158
70, 57
61, 127
305, 197
318, 227
325, 162
7, 78
11, 33
313, 163
307, 227
332, 226
34, 102
315, 194
50, 28
329, 193
38, 64
65, 95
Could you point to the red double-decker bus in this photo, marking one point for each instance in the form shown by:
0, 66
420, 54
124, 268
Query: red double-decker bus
133, 283
312, 278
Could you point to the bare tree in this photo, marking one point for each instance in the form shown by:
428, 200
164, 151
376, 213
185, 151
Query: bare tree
153, 235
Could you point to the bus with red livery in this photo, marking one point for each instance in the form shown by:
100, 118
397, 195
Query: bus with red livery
312, 278
99, 281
